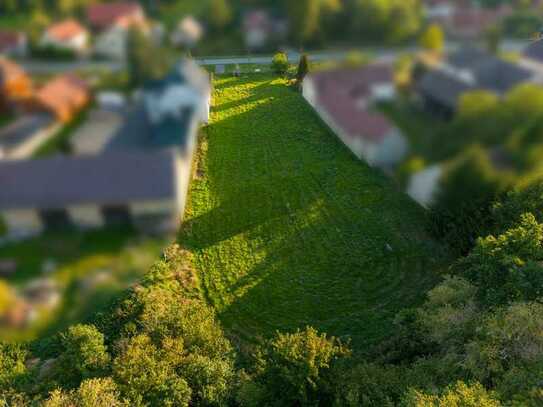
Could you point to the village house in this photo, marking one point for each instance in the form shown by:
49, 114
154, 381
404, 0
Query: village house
137, 172
13, 44
187, 32
63, 96
111, 23
139, 188
15, 86
344, 98
466, 70
66, 35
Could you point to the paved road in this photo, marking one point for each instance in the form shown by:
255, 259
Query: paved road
381, 54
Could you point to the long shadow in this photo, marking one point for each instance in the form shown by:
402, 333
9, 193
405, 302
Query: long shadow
298, 231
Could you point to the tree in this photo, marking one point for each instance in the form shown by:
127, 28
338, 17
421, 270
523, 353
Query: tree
298, 364
220, 14
461, 394
280, 63
84, 354
493, 37
91, 393
475, 104
507, 268
433, 38
303, 68
304, 17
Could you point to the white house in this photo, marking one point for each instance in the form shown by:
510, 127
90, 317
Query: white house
344, 99
68, 34
187, 33
112, 43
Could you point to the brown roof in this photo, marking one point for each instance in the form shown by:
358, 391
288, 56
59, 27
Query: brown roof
9, 69
63, 92
65, 30
344, 94
9, 39
107, 14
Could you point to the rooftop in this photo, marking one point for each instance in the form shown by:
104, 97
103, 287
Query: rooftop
106, 14
107, 179
65, 30
344, 93
22, 130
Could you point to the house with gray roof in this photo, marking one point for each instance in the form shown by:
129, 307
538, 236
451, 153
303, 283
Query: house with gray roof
466, 70
137, 174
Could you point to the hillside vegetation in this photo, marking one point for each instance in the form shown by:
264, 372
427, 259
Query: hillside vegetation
289, 229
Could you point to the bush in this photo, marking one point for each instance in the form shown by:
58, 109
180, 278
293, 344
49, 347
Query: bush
280, 63
459, 395
53, 53
91, 393
433, 38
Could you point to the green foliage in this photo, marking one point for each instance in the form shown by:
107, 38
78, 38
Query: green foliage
220, 14
84, 354
91, 393
304, 17
280, 63
493, 37
458, 395
506, 268
298, 364
478, 103
466, 191
12, 366
433, 38
508, 211
511, 338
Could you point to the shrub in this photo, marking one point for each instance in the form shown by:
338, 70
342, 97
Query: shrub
280, 63
91, 393
433, 38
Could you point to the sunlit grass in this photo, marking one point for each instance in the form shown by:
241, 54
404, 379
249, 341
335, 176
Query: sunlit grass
289, 229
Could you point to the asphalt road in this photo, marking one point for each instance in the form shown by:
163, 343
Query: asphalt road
381, 54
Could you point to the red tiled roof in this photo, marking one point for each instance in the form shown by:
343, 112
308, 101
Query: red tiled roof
9, 69
65, 30
343, 93
65, 92
9, 39
107, 14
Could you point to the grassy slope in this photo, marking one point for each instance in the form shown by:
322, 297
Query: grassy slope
289, 229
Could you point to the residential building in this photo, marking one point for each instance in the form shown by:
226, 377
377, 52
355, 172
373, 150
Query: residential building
111, 22
133, 167
344, 98
466, 70
13, 44
187, 33
63, 96
15, 85
145, 189
67, 35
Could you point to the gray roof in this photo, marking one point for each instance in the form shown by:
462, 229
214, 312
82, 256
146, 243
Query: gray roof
107, 179
489, 72
23, 129
442, 88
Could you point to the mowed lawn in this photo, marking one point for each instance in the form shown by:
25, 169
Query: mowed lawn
289, 229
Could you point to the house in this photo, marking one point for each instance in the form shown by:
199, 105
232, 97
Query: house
187, 33
135, 169
186, 88
21, 138
63, 96
145, 189
439, 11
13, 44
471, 22
465, 70
344, 98
257, 28
111, 22
66, 35
15, 85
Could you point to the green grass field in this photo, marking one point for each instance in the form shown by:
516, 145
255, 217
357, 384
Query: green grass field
289, 229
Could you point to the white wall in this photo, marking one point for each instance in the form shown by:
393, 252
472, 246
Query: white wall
22, 222
112, 44
392, 149
77, 43
424, 185
86, 216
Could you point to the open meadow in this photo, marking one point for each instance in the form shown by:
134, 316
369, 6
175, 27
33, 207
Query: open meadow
289, 229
